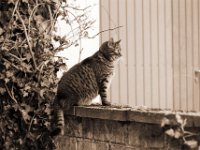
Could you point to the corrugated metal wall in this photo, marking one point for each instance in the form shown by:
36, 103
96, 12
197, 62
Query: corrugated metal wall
161, 50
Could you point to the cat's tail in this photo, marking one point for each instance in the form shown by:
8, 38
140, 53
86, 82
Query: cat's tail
57, 122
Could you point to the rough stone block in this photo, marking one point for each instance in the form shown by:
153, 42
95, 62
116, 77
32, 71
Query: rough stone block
134, 136
65, 142
73, 126
101, 146
87, 128
117, 147
84, 144
152, 136
119, 132
173, 144
123, 147
145, 135
102, 130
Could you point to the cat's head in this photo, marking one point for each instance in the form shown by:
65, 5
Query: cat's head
111, 50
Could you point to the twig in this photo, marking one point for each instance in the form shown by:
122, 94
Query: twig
80, 9
80, 42
10, 94
104, 31
81, 49
40, 68
11, 64
16, 67
14, 56
54, 17
29, 127
64, 45
51, 18
32, 13
27, 38
16, 4
189, 134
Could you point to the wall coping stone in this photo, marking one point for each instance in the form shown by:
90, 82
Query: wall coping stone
128, 114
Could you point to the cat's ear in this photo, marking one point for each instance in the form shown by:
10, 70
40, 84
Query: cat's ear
118, 42
111, 40
110, 43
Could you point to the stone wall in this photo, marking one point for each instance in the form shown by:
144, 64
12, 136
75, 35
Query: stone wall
94, 128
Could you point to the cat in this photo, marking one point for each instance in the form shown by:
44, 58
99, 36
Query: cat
84, 81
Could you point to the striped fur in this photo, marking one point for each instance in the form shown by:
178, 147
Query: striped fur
85, 81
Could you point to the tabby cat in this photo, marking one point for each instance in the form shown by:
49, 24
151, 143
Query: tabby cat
85, 81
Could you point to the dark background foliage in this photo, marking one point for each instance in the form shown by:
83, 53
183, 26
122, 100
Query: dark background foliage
28, 68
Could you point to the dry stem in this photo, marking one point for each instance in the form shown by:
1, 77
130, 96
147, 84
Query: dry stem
104, 31
10, 94
27, 38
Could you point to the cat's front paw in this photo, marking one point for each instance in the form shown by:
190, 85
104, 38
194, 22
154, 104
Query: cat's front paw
106, 103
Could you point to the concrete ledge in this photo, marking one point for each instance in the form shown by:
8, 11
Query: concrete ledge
128, 114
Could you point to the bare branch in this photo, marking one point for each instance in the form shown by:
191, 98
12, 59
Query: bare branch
10, 94
51, 17
29, 127
80, 9
31, 15
12, 64
16, 4
27, 38
104, 31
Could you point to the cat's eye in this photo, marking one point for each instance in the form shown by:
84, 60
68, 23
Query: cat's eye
111, 44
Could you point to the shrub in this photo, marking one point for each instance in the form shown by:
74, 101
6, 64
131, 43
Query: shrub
28, 68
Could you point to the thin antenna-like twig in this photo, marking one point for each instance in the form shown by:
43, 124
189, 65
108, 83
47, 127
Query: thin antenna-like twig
104, 31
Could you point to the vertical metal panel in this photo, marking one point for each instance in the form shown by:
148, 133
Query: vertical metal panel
154, 53
189, 55
162, 53
122, 7
182, 55
198, 79
168, 53
176, 52
196, 56
131, 53
139, 52
147, 53
160, 42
